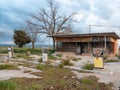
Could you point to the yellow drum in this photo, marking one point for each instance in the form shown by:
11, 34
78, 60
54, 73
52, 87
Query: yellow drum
98, 62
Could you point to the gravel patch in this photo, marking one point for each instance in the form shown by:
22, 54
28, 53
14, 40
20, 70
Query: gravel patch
109, 74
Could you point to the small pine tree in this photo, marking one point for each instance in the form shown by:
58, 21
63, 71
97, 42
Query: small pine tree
21, 38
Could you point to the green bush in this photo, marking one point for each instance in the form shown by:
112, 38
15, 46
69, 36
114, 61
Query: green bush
25, 50
8, 67
51, 51
20, 50
66, 62
35, 51
7, 85
51, 57
41, 67
88, 66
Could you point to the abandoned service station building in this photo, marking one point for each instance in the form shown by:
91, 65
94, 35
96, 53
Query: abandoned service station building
87, 44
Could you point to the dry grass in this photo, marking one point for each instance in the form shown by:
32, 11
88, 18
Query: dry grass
88, 66
54, 78
8, 67
107, 61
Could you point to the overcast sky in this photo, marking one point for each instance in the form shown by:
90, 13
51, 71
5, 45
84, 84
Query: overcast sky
92, 12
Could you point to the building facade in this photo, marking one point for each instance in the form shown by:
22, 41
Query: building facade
89, 44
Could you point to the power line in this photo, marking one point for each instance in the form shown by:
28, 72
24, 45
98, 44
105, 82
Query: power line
102, 26
105, 26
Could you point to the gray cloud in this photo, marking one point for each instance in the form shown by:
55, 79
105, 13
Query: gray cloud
103, 9
96, 12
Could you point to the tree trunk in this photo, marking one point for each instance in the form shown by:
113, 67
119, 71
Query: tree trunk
53, 43
33, 45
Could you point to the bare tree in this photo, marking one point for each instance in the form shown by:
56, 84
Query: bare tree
50, 21
33, 32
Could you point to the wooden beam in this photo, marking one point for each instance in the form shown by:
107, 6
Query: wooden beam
105, 43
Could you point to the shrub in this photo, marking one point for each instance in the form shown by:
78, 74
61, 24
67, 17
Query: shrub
20, 50
25, 50
50, 56
89, 80
35, 51
43, 67
61, 65
68, 58
88, 66
76, 59
66, 62
7, 85
51, 51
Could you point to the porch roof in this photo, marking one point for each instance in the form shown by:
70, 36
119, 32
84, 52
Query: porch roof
112, 34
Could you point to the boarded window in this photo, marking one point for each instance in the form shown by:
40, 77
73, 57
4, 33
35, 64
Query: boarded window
59, 46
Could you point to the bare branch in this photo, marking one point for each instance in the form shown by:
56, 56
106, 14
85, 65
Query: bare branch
49, 21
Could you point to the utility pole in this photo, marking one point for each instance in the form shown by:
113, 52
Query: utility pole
49, 42
89, 28
105, 43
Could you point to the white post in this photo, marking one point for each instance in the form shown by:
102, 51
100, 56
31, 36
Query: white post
44, 55
9, 52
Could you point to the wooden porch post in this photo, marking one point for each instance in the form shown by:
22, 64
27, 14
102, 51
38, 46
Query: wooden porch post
115, 49
88, 47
